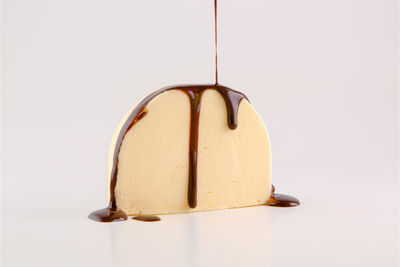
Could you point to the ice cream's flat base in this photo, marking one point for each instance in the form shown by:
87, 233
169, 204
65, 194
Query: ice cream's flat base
197, 210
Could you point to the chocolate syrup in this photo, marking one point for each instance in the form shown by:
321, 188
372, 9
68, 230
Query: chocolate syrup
147, 218
232, 100
281, 200
108, 214
216, 41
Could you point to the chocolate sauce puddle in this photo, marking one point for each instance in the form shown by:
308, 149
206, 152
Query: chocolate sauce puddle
147, 218
281, 200
108, 214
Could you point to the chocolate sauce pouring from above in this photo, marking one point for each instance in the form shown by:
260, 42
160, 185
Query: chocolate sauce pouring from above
232, 100
216, 41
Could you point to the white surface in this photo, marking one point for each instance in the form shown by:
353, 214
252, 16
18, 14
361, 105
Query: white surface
336, 225
322, 74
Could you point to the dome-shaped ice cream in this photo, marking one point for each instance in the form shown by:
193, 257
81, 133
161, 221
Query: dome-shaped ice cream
188, 148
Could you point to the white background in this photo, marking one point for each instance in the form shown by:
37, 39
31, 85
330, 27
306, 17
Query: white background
322, 73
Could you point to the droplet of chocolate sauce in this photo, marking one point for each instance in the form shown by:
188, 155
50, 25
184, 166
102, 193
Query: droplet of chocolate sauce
147, 218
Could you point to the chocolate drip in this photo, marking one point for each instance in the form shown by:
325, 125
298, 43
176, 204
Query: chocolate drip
232, 100
195, 101
281, 200
147, 218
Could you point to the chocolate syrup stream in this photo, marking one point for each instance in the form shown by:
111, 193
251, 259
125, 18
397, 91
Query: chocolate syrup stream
216, 41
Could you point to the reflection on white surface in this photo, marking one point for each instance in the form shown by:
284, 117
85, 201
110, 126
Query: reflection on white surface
194, 239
